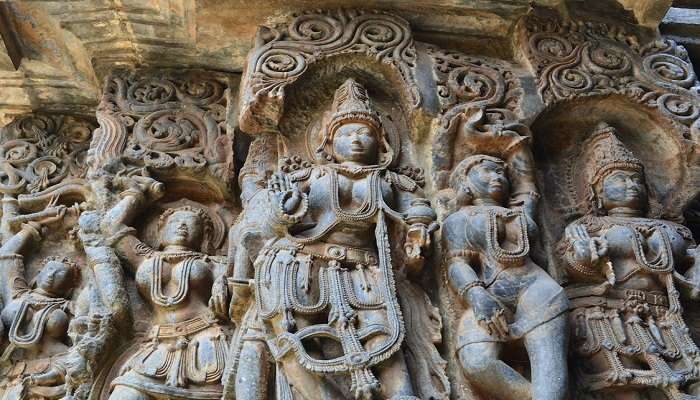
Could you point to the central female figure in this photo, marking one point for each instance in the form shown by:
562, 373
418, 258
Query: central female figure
325, 286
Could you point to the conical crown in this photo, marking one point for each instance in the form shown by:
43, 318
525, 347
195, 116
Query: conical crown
605, 152
352, 104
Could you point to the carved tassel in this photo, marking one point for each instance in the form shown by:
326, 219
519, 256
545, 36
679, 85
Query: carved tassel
364, 384
619, 328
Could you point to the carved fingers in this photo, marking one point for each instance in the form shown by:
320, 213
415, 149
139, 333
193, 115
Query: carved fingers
497, 325
488, 312
219, 296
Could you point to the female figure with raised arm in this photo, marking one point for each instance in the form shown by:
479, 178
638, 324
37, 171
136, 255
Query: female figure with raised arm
183, 356
507, 296
37, 316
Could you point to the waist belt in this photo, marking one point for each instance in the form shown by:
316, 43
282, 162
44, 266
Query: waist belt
337, 252
184, 328
616, 298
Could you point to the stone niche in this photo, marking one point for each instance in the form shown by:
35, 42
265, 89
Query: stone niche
358, 204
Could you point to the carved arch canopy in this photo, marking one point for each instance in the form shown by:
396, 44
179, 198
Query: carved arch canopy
645, 86
284, 53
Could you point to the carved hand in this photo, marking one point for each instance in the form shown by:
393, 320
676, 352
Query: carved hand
488, 311
586, 249
219, 296
240, 298
283, 188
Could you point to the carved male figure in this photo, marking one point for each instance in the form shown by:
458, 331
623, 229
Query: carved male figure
507, 296
325, 286
625, 275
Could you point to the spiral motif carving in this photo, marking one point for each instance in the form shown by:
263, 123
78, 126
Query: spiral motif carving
477, 85
18, 152
199, 91
315, 28
607, 60
312, 36
380, 33
46, 171
571, 80
679, 107
150, 92
550, 46
170, 131
35, 126
671, 69
282, 64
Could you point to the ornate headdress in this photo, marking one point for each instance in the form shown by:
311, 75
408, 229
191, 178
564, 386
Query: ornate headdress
604, 152
351, 103
203, 215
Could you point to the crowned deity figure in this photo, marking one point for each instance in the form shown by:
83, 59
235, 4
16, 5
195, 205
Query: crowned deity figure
183, 355
626, 275
326, 304
39, 315
506, 296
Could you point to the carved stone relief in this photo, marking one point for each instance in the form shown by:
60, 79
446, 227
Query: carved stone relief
373, 218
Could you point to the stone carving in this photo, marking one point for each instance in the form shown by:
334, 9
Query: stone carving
173, 124
184, 354
283, 53
43, 155
487, 243
477, 96
57, 329
325, 287
578, 59
123, 274
627, 272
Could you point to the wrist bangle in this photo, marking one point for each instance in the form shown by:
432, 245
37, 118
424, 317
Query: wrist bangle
463, 291
33, 229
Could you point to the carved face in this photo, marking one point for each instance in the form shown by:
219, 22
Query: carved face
622, 188
488, 180
183, 228
355, 142
56, 278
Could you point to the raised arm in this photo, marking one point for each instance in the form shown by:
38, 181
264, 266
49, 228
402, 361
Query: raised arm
139, 190
11, 259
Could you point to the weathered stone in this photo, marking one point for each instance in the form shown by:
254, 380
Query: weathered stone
461, 200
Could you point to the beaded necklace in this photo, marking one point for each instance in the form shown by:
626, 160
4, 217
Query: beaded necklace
183, 278
43, 307
492, 243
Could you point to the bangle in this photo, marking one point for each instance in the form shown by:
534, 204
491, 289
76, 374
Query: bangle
33, 228
463, 291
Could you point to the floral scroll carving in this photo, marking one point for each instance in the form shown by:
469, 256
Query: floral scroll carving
175, 125
283, 53
42, 154
575, 59
478, 97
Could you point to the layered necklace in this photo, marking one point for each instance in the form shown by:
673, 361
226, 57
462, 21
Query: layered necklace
42, 306
183, 278
493, 245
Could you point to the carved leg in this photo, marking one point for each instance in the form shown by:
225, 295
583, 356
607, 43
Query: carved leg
126, 393
306, 385
251, 377
546, 346
483, 369
394, 377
